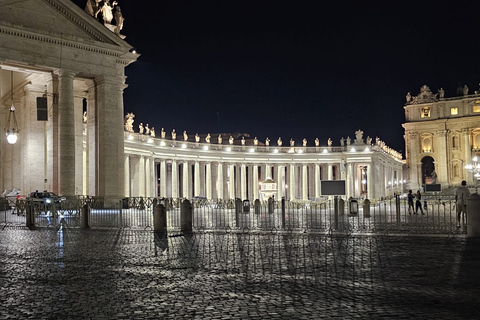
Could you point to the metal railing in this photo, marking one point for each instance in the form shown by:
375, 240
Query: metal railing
388, 216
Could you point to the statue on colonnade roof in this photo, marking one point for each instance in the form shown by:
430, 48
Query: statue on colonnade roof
129, 122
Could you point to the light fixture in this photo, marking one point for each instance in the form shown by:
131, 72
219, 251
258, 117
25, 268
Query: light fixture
205, 147
252, 150
228, 149
12, 126
275, 150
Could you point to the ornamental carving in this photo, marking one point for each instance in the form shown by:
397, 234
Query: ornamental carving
425, 96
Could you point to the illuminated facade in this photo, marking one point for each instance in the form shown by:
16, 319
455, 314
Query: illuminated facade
441, 137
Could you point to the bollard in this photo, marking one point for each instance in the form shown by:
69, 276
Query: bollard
283, 213
85, 216
256, 205
270, 205
159, 218
366, 208
473, 216
186, 217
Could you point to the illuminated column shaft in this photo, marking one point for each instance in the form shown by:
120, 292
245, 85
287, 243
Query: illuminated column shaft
279, 177
243, 181
304, 182
126, 168
196, 188
185, 179
225, 181
148, 176
141, 177
349, 180
163, 179
330, 172
220, 181
208, 178
317, 180
174, 179
468, 153
231, 181
370, 182
292, 185
255, 181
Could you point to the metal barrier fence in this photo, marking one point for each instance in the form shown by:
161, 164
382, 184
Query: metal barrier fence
439, 216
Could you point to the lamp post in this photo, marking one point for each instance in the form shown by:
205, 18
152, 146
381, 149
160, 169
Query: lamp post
12, 126
475, 169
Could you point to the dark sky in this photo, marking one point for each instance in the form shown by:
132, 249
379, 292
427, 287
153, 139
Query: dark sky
294, 69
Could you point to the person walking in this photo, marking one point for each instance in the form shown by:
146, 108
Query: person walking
461, 196
418, 203
410, 202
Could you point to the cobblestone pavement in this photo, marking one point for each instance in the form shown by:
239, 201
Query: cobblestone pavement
59, 273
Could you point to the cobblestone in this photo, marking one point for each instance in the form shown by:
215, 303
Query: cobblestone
59, 273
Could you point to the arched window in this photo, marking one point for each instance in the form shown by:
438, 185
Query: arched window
455, 143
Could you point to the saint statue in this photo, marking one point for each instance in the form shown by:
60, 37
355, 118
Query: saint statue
359, 136
304, 142
255, 141
119, 22
174, 135
152, 132
434, 177
342, 142
279, 141
369, 140
197, 137
349, 140
84, 117
292, 143
219, 139
107, 11
147, 129
129, 122
185, 136
162, 134
441, 92
207, 138
230, 140
267, 142
140, 128
329, 142
317, 142
408, 97
465, 90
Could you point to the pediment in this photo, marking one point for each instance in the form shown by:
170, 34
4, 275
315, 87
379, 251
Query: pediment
58, 18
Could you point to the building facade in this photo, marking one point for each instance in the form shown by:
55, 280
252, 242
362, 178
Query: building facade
442, 135
55, 50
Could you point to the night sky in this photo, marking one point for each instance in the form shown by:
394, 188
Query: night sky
294, 69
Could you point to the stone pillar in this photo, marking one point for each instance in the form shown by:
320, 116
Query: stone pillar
330, 171
304, 182
185, 179
441, 162
317, 180
203, 178
126, 167
52, 135
220, 181
279, 178
467, 149
243, 182
292, 183
349, 181
370, 182
255, 181
148, 178
78, 120
91, 145
238, 193
250, 182
174, 179
208, 179
66, 134
413, 161
196, 188
231, 181
153, 180
110, 137
163, 179
141, 177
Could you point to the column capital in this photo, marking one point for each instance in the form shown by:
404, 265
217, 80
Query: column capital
65, 73
117, 81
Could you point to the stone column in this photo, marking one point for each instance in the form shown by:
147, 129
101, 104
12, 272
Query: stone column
413, 161
250, 182
220, 180
243, 181
370, 182
349, 181
203, 178
141, 177
52, 135
174, 179
238, 191
185, 179
225, 181
231, 181
441, 162
292, 184
110, 137
196, 188
304, 182
91, 145
255, 181
317, 180
163, 179
208, 178
330, 172
126, 183
279, 178
148, 178
78, 120
467, 151
66, 134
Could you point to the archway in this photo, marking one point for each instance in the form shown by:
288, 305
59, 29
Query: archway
428, 167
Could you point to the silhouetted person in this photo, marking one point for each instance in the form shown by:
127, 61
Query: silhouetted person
461, 196
418, 203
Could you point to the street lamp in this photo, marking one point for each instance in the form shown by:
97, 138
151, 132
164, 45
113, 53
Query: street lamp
475, 169
12, 126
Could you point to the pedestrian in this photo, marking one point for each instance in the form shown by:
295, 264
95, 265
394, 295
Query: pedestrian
418, 203
461, 196
410, 202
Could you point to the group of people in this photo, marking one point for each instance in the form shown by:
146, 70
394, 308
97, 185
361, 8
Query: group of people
461, 196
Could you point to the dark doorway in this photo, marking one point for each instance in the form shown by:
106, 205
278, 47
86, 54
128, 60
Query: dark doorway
428, 166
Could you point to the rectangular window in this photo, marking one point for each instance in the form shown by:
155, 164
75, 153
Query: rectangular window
425, 112
476, 108
453, 111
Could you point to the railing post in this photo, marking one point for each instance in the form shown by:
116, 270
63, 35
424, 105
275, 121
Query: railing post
256, 204
397, 207
336, 205
186, 216
270, 205
120, 214
283, 213
30, 215
238, 209
366, 208
84, 217
160, 218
